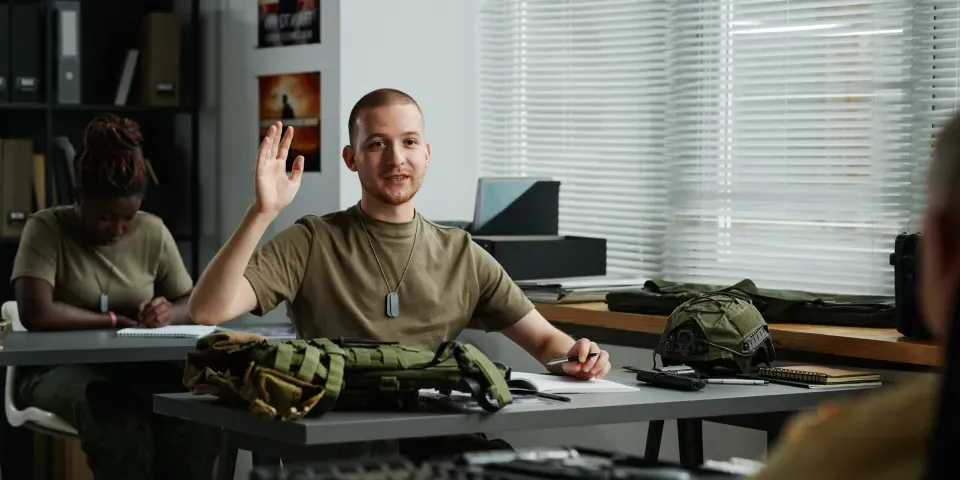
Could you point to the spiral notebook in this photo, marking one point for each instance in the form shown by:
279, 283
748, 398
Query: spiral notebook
816, 374
169, 331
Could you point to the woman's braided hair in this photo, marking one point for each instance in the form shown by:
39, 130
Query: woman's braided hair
110, 164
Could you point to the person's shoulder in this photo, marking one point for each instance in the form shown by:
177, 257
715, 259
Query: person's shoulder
315, 223
862, 426
56, 219
52, 215
151, 225
446, 234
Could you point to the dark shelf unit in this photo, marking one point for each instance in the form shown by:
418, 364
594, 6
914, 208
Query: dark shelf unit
171, 134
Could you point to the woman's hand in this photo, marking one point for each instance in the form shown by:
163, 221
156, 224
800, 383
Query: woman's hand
155, 313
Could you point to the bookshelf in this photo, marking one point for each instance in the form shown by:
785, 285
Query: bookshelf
106, 30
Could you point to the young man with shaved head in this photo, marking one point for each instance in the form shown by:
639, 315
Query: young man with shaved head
378, 269
885, 435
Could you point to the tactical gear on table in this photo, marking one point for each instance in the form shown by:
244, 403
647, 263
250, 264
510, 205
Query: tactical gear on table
718, 329
659, 297
288, 379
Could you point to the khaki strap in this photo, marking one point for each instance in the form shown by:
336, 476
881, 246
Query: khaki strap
311, 360
284, 357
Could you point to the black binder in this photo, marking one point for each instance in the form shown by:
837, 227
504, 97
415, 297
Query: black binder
26, 60
4, 53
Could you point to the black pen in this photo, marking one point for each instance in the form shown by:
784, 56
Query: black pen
575, 358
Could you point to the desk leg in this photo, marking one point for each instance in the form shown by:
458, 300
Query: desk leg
690, 435
227, 462
654, 436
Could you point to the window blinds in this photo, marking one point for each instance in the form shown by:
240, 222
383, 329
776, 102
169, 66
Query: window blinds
577, 91
793, 143
936, 58
783, 141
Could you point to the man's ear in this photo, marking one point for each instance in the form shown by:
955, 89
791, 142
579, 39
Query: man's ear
349, 157
427, 163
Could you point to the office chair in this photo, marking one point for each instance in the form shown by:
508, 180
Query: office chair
32, 418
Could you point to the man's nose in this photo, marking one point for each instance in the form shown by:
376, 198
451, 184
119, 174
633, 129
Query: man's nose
396, 155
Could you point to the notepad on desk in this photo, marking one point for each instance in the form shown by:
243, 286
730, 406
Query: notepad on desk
169, 331
564, 385
816, 376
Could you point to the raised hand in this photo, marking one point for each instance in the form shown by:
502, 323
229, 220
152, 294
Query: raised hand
275, 188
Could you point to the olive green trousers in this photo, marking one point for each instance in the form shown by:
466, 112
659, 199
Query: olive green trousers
111, 407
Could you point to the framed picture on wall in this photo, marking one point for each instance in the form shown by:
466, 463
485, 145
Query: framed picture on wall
294, 99
287, 22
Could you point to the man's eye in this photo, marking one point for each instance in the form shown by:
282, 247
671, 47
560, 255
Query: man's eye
411, 141
376, 144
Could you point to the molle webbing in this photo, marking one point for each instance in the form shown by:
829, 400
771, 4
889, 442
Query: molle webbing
287, 379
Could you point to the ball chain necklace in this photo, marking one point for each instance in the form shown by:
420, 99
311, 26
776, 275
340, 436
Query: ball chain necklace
104, 290
393, 296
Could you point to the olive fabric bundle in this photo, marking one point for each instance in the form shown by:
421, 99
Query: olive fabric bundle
289, 379
659, 297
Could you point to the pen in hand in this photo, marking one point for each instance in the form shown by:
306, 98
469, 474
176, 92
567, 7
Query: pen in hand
558, 361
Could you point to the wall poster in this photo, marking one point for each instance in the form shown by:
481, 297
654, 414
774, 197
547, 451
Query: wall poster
287, 22
294, 99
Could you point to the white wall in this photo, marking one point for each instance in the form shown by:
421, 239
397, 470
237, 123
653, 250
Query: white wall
232, 117
424, 48
240, 63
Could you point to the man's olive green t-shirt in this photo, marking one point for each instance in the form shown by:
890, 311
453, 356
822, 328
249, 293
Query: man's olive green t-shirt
145, 263
325, 269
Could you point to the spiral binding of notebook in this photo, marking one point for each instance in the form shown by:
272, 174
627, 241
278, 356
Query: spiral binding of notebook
796, 375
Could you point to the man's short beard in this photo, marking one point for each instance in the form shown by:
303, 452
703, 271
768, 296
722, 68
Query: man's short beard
384, 196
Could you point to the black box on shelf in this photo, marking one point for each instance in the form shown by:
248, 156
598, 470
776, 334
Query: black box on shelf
526, 257
906, 268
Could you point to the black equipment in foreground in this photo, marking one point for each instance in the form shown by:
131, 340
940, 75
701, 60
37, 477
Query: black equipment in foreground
525, 464
942, 462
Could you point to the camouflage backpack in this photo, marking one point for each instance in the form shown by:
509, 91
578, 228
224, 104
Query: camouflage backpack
716, 330
288, 379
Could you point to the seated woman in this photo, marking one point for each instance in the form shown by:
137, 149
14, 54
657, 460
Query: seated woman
103, 263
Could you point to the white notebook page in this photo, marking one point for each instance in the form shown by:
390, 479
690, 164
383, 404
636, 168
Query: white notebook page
175, 331
562, 384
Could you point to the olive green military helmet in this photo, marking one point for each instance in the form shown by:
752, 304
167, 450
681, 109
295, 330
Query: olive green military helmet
716, 330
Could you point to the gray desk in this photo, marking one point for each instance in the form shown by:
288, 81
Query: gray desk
89, 346
245, 431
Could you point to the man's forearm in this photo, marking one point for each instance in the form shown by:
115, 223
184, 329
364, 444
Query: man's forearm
180, 312
214, 299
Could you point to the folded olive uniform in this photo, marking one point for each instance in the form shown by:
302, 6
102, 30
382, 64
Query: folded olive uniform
110, 405
324, 268
881, 436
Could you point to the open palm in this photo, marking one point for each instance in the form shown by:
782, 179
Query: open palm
276, 188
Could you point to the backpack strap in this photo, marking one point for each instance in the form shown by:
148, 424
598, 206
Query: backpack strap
471, 360
334, 380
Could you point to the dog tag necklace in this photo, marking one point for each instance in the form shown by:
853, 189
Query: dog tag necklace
392, 300
104, 299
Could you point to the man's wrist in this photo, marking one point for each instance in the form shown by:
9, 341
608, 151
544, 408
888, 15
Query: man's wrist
113, 319
255, 212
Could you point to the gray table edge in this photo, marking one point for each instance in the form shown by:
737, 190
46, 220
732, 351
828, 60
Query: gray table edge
389, 426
